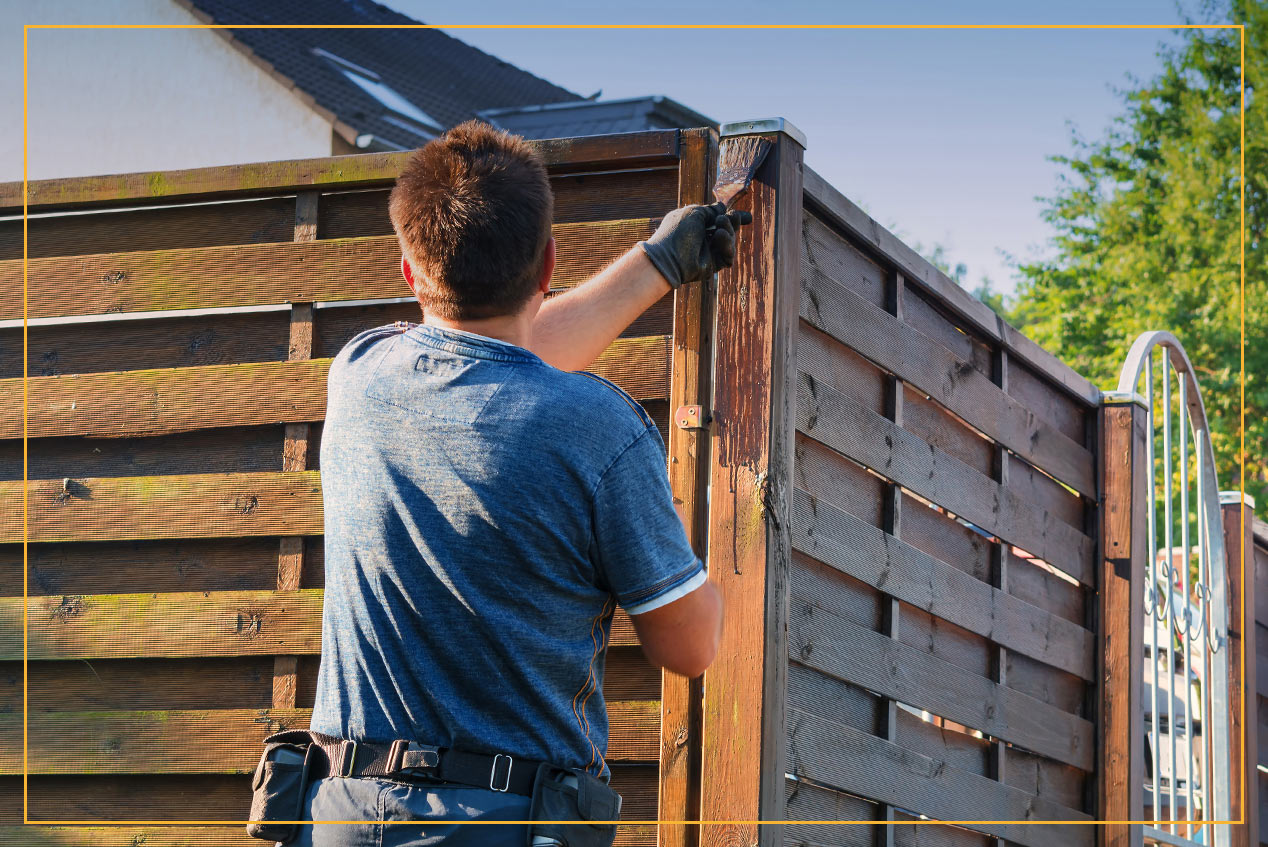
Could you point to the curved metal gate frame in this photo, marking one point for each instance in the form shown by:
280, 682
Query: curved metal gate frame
1200, 629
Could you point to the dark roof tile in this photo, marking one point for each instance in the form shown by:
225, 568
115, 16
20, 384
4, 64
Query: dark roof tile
447, 79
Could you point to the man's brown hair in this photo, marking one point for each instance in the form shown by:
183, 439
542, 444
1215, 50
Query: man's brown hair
472, 210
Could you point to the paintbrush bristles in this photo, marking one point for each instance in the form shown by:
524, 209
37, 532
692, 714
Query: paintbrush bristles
739, 159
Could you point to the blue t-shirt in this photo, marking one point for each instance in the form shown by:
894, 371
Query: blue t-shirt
484, 514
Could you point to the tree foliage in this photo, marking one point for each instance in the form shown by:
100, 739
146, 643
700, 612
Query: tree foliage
1148, 235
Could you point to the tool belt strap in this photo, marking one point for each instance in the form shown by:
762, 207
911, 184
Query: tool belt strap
499, 772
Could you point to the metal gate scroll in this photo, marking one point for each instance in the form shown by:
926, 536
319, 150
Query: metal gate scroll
1187, 746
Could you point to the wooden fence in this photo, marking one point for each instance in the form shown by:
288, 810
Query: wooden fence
174, 510
898, 494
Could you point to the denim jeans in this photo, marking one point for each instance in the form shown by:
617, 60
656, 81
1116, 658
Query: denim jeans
435, 806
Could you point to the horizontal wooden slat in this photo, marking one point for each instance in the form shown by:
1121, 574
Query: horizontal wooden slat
361, 170
833, 645
125, 836
165, 400
861, 550
191, 506
828, 201
840, 756
227, 740
203, 225
124, 626
260, 274
185, 624
846, 426
203, 339
808, 803
197, 836
905, 352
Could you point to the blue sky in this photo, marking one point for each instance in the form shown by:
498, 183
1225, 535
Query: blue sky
940, 134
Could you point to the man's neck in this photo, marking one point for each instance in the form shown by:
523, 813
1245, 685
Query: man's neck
513, 329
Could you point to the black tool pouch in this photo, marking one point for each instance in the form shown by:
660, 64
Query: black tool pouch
277, 789
566, 803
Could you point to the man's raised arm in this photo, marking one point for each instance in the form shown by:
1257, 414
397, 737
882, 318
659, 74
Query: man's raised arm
691, 244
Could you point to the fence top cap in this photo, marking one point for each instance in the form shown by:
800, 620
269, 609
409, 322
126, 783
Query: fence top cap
1234, 498
762, 125
1123, 398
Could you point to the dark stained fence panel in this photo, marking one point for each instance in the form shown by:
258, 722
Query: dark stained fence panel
936, 668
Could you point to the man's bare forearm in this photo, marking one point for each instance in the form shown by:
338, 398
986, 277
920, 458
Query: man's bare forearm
574, 328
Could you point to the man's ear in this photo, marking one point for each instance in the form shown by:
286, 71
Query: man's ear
548, 267
408, 273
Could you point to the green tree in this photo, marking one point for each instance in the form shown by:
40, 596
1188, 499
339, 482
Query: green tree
1148, 235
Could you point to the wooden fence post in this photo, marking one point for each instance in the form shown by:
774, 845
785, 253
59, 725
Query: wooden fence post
750, 501
1125, 477
679, 795
1243, 775
290, 562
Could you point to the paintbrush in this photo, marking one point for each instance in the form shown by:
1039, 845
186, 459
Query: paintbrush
739, 161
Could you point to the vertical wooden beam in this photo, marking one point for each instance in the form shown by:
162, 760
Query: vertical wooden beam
999, 578
679, 795
745, 690
1120, 617
892, 523
1243, 683
290, 559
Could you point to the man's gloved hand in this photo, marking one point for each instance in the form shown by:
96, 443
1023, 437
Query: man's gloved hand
693, 242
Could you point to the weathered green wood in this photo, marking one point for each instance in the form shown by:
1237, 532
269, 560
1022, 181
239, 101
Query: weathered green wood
179, 625
164, 400
262, 274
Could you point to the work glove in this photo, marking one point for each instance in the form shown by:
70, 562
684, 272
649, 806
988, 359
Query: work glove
693, 242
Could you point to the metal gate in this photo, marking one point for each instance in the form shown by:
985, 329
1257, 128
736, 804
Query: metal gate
1186, 685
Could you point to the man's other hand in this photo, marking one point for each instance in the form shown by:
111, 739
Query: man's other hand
693, 242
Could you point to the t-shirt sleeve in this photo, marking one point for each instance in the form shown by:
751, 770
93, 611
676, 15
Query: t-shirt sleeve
641, 548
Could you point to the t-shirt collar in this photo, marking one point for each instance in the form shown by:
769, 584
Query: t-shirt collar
468, 343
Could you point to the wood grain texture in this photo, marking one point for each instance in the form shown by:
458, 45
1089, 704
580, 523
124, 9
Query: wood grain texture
147, 344
844, 425
1243, 683
824, 199
834, 645
679, 797
189, 506
868, 554
894, 345
844, 758
750, 495
244, 222
259, 274
130, 567
158, 741
363, 170
207, 624
1125, 475
152, 402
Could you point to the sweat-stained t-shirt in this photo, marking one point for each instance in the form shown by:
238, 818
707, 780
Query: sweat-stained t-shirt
484, 515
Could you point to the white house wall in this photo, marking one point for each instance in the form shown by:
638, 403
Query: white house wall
117, 101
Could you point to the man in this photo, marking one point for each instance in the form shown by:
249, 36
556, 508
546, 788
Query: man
487, 509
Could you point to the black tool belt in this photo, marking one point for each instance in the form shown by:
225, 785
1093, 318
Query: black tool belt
499, 772
567, 804
340, 757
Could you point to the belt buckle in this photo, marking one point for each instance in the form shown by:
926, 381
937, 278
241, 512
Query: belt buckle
347, 761
493, 771
417, 755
